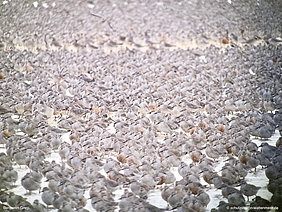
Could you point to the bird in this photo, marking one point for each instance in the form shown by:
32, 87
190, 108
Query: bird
55, 143
20, 158
67, 206
38, 207
203, 197
55, 43
276, 199
13, 199
166, 192
279, 142
263, 160
162, 127
268, 150
47, 196
183, 169
259, 202
251, 147
127, 201
64, 150
212, 152
165, 44
167, 177
244, 156
226, 190
196, 156
75, 162
44, 146
139, 189
253, 162
58, 201
217, 181
236, 199
265, 132
19, 108
194, 186
5, 109
101, 205
208, 176
223, 206
175, 199
249, 189
149, 207
273, 185
271, 172
254, 39
9, 176
30, 183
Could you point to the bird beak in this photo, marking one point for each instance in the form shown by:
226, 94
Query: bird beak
203, 148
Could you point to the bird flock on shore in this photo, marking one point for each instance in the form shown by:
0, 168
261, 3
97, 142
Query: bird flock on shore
136, 104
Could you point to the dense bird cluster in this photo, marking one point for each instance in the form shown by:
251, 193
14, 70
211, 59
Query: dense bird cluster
137, 105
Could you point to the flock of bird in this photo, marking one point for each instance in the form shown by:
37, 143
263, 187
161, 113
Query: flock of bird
136, 104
